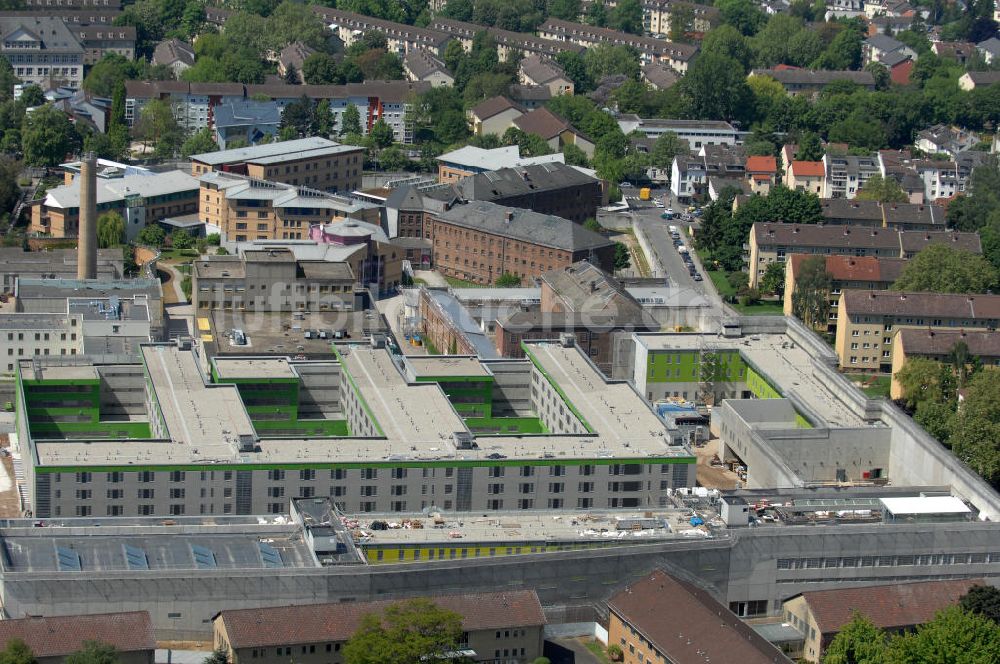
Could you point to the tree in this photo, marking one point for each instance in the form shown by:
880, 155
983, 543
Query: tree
7, 80
299, 117
321, 69
575, 156
984, 600
597, 14
773, 280
381, 135
922, 380
567, 10
627, 17
157, 125
809, 148
883, 190
181, 239
668, 146
350, 121
110, 230
605, 60
942, 269
742, 15
151, 236
17, 652
410, 632
10, 170
47, 136
460, 10
218, 656
976, 433
953, 636
716, 85
592, 224
858, 642
199, 142
508, 280
623, 259
94, 652
811, 297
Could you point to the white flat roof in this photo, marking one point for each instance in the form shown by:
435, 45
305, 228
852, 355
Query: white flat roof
925, 505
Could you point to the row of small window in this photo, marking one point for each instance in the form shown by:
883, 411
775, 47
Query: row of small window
43, 351
40, 336
890, 561
287, 650
864, 359
142, 476
142, 510
141, 494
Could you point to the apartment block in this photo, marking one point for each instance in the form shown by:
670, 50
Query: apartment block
821, 614
538, 71
846, 273
470, 160
811, 82
246, 209
846, 175
194, 104
867, 320
657, 16
317, 163
508, 42
496, 627
547, 188
645, 619
872, 214
158, 436
53, 639
100, 40
769, 243
42, 50
677, 55
271, 280
139, 199
938, 345
480, 241
697, 133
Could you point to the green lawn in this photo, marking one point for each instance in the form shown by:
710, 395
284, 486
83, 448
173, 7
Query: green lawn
177, 254
721, 283
462, 283
874, 385
726, 290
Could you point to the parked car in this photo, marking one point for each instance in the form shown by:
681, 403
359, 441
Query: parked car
697, 277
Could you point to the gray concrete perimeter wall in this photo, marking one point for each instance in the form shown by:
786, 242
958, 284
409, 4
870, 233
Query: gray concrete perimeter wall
743, 567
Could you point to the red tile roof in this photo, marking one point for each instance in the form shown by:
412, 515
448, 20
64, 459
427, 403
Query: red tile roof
688, 625
58, 636
856, 268
889, 607
808, 169
327, 623
761, 165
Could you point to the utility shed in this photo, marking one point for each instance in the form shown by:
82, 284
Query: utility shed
925, 508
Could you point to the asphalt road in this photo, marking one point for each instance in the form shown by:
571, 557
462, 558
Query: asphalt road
667, 261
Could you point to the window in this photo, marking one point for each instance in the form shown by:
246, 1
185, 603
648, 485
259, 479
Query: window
177, 476
83, 478
275, 475
177, 493
307, 475
176, 510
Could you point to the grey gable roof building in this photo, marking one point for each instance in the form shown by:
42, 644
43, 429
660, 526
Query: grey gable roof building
542, 229
422, 64
520, 180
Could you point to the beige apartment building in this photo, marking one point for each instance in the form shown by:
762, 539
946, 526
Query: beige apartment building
774, 242
937, 345
246, 209
317, 163
846, 273
497, 627
867, 321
